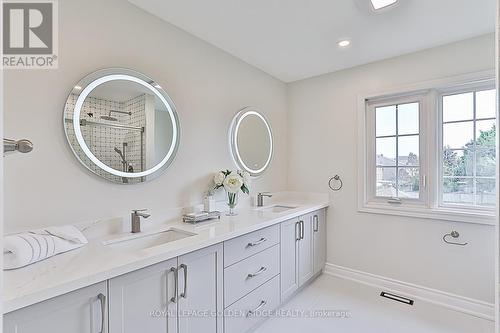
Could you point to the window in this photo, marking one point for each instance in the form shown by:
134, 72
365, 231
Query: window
430, 152
397, 142
468, 158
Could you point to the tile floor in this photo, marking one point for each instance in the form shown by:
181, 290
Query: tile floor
368, 313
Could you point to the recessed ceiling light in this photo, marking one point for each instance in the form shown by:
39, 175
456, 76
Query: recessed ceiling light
379, 4
344, 43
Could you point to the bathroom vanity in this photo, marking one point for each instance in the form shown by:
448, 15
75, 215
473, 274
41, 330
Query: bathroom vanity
216, 278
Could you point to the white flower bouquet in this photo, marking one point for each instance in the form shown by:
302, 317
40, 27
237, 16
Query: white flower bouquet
233, 182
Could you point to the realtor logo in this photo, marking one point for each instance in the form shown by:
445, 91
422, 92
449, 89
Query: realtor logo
29, 34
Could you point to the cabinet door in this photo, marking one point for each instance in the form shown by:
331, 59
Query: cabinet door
200, 291
288, 253
143, 301
80, 311
305, 249
319, 240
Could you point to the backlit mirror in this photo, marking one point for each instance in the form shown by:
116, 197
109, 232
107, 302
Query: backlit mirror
251, 141
121, 125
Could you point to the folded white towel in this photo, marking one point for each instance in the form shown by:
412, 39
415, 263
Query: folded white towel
29, 247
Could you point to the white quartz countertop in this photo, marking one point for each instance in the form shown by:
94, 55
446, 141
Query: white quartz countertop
97, 262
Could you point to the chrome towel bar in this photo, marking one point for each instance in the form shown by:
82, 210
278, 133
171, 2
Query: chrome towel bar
22, 146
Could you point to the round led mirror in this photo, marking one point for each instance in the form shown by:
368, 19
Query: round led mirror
121, 125
251, 141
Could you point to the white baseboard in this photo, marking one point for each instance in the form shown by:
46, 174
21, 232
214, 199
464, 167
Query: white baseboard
462, 304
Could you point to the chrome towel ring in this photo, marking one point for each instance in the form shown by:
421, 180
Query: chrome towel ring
453, 234
340, 183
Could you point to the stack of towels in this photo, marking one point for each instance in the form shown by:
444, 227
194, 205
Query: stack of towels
26, 248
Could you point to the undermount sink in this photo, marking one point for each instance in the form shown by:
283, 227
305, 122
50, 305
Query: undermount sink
277, 208
141, 241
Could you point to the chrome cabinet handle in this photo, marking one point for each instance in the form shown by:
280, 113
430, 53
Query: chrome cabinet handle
301, 229
316, 223
260, 271
297, 237
102, 300
251, 312
185, 268
260, 241
173, 299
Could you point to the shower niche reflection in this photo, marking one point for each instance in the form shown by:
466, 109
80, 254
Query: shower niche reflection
121, 125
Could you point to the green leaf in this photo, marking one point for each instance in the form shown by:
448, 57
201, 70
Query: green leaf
244, 189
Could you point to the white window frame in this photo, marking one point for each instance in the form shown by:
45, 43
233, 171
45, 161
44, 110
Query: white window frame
473, 87
428, 206
371, 169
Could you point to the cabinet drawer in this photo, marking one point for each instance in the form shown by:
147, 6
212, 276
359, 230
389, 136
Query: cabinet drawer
244, 246
239, 318
248, 274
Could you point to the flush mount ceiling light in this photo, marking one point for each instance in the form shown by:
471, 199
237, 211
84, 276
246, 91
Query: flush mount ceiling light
343, 43
380, 4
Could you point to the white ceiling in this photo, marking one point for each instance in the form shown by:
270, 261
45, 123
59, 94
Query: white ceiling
296, 39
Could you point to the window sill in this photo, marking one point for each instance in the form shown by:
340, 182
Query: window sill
454, 215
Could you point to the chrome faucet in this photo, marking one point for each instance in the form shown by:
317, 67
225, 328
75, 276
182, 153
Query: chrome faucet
260, 198
136, 219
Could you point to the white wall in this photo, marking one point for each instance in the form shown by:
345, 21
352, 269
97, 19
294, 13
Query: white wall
208, 86
322, 142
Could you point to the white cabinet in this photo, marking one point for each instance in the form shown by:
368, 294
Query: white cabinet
289, 257
305, 257
81, 311
303, 250
181, 295
144, 300
186, 294
319, 240
200, 291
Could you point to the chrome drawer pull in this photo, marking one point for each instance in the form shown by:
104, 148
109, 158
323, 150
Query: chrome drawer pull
260, 241
260, 271
176, 284
102, 300
251, 312
316, 223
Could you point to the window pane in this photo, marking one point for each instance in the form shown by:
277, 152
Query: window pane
485, 104
386, 151
458, 163
408, 122
385, 120
408, 183
485, 163
386, 182
408, 150
458, 107
458, 190
485, 133
458, 135
486, 192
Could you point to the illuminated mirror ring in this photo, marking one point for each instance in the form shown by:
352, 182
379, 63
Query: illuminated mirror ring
251, 141
87, 85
